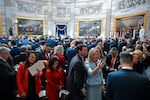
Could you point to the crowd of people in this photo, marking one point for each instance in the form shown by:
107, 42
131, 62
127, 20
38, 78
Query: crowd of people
89, 68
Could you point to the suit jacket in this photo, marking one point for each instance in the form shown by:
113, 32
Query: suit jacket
77, 77
108, 61
91, 46
127, 84
70, 53
19, 58
7, 81
41, 56
14, 51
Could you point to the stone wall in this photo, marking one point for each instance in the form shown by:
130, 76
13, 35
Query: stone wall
70, 12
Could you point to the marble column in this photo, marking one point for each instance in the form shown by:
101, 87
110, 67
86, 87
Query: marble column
108, 18
49, 22
72, 21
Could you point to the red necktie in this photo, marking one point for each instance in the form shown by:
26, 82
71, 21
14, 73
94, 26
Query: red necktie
112, 62
46, 56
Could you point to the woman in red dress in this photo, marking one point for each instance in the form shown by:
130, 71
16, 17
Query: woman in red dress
54, 79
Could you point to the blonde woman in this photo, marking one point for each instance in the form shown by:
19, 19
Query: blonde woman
95, 76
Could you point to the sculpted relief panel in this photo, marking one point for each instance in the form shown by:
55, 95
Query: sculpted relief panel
29, 8
63, 12
90, 10
130, 3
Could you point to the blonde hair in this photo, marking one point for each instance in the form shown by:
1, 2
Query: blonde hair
92, 50
59, 49
138, 52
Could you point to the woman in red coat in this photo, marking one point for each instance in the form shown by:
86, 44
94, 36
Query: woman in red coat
28, 86
59, 52
54, 79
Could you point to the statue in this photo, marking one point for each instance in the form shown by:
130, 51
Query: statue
10, 31
141, 34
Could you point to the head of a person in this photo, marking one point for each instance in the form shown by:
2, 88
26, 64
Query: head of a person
77, 42
31, 58
82, 50
129, 41
101, 44
23, 49
138, 42
54, 63
59, 49
93, 54
139, 47
47, 48
13, 43
73, 43
42, 42
137, 54
126, 58
4, 52
114, 51
93, 41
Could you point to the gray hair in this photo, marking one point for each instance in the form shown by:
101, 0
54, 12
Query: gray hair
59, 49
126, 57
113, 49
4, 49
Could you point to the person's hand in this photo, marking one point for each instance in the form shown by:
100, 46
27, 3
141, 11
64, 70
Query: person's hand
23, 95
60, 87
119, 67
111, 69
103, 87
38, 73
84, 91
101, 64
45, 62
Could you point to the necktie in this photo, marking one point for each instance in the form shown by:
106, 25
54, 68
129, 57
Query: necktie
46, 56
112, 62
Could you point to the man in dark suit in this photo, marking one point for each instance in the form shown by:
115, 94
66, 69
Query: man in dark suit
22, 56
92, 44
77, 74
44, 54
14, 49
7, 76
126, 84
112, 62
113, 59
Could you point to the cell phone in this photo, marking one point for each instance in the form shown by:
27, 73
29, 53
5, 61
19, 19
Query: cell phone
104, 58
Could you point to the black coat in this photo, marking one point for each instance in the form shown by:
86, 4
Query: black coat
127, 84
7, 81
19, 58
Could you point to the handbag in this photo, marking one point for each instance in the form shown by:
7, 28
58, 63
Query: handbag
63, 95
